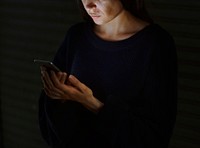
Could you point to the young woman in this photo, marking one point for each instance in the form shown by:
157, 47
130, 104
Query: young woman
118, 88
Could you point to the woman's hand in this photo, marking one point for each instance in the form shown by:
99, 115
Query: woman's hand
57, 86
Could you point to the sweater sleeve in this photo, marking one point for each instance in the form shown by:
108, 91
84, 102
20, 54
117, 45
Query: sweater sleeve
48, 108
45, 123
52, 113
151, 123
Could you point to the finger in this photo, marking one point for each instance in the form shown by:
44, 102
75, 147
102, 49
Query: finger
67, 90
59, 75
43, 81
52, 89
47, 80
55, 79
76, 83
58, 81
63, 77
60, 84
52, 96
47, 91
57, 96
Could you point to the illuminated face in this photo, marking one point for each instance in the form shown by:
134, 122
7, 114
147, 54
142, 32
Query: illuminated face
102, 11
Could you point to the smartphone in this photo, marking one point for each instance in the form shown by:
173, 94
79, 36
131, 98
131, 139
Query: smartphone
48, 64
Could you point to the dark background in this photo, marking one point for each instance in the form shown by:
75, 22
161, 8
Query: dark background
35, 28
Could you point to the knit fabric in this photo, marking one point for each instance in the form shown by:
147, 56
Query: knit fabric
135, 78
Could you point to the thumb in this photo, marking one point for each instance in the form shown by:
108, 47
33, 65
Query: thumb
76, 83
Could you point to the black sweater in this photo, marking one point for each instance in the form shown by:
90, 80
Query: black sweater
135, 78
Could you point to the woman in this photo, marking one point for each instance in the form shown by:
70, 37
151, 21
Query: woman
118, 85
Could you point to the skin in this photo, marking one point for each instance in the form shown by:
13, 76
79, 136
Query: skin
57, 86
112, 23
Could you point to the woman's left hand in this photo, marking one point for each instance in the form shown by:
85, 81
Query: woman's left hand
57, 86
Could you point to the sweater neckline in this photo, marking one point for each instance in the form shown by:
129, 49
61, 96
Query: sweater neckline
101, 44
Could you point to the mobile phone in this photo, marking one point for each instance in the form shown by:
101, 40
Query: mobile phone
47, 64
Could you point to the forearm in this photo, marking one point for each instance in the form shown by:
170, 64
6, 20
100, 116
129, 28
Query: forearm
93, 104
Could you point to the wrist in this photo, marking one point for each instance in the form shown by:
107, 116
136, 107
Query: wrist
93, 104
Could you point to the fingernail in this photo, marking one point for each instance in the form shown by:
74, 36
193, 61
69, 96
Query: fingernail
42, 73
65, 74
71, 77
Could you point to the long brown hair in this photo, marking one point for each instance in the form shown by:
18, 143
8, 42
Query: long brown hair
135, 7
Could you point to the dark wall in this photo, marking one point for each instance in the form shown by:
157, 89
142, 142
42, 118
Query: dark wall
29, 29
35, 28
182, 19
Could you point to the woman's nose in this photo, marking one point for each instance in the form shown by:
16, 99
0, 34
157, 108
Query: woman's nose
90, 4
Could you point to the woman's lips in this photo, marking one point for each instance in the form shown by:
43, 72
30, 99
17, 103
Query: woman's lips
95, 16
